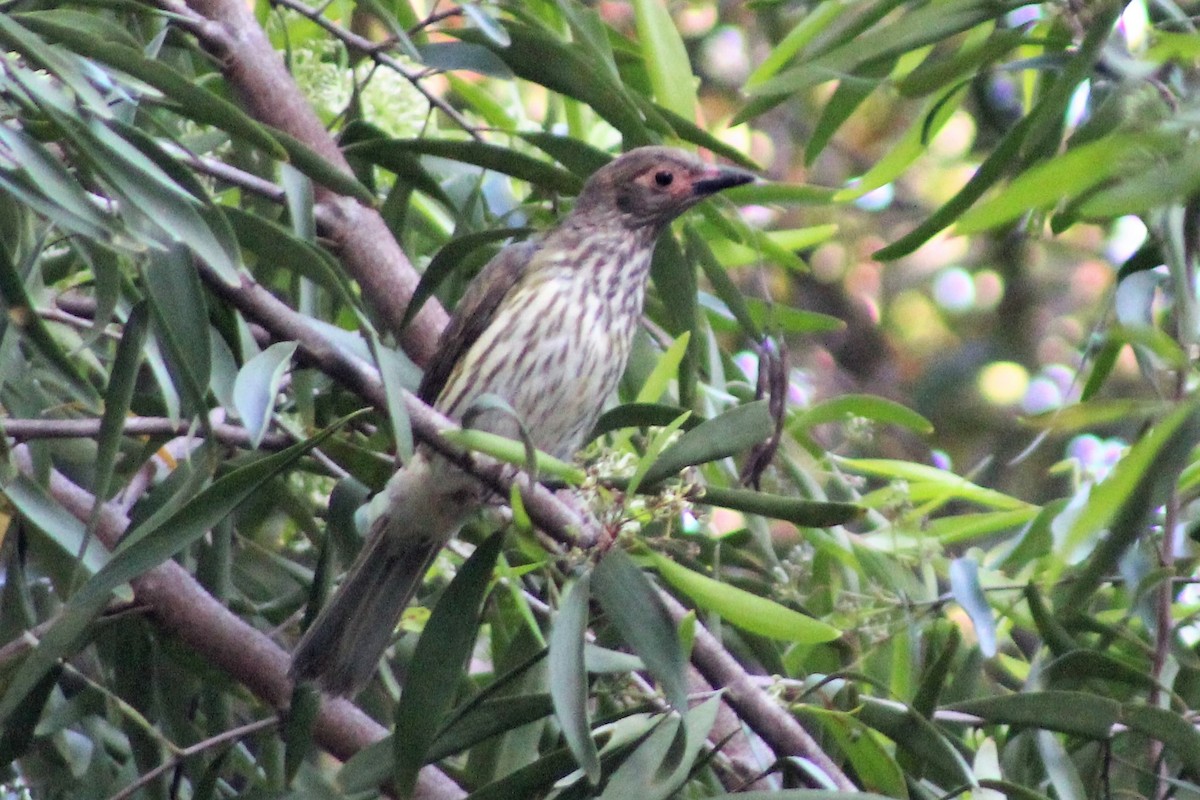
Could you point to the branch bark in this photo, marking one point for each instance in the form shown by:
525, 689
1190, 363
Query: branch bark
773, 724
182, 607
229, 30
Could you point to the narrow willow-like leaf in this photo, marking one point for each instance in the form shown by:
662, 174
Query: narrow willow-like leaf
18, 308
1051, 106
181, 316
798, 511
190, 99
724, 435
1080, 713
257, 385
642, 415
917, 737
144, 548
439, 661
488, 156
659, 765
633, 607
1065, 176
876, 409
568, 677
964, 585
513, 452
744, 609
1168, 727
537, 56
871, 756
665, 57
668, 365
121, 384
450, 258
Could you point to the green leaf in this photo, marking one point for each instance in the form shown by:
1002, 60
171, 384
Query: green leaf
912, 145
744, 609
1050, 107
1142, 190
665, 57
933, 75
513, 452
867, 752
1065, 176
632, 605
725, 435
55, 183
439, 661
18, 308
487, 156
257, 385
667, 367
798, 511
20, 723
1176, 430
449, 258
659, 765
848, 96
117, 397
926, 25
453, 56
642, 415
964, 585
876, 409
919, 738
1168, 727
45, 513
273, 244
188, 97
298, 727
323, 171
936, 481
142, 549
174, 291
568, 677
541, 57
1079, 713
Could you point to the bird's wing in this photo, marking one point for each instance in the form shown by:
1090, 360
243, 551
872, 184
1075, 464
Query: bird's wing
474, 313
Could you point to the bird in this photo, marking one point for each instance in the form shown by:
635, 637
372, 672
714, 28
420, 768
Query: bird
546, 326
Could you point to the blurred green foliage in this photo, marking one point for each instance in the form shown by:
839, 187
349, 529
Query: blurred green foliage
962, 306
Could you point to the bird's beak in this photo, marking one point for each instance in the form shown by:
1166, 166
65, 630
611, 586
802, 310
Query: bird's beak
714, 179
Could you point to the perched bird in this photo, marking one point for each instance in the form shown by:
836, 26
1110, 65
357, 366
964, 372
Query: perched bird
546, 326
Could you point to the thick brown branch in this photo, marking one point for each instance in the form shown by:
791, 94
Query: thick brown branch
228, 29
182, 607
776, 727
260, 306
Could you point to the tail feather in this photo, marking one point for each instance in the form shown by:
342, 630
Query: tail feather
342, 647
422, 506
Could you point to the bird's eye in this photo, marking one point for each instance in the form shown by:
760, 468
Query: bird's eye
663, 178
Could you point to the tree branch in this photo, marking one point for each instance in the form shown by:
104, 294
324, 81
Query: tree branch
228, 29
776, 727
182, 607
23, 430
366, 47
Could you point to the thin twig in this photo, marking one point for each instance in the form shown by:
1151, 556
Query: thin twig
194, 750
23, 430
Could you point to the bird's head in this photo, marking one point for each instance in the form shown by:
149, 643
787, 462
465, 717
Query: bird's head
648, 187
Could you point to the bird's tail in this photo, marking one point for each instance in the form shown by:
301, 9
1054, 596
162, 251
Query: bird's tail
342, 646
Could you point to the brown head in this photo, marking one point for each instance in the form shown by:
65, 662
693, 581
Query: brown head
650, 186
